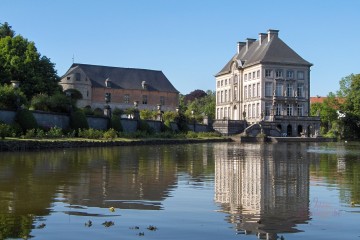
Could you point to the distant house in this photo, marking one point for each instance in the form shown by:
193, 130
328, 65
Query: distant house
266, 81
125, 86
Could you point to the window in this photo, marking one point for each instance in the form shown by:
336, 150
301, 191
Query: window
268, 89
245, 77
77, 76
258, 74
144, 99
67, 78
278, 109
289, 110
218, 83
236, 79
222, 96
218, 97
126, 98
249, 76
225, 95
300, 75
249, 88
254, 94
253, 77
218, 113
289, 90
162, 100
279, 89
300, 90
268, 72
279, 73
229, 97
300, 110
258, 110
235, 93
225, 82
87, 93
253, 111
267, 108
258, 89
245, 91
222, 82
290, 74
249, 110
225, 113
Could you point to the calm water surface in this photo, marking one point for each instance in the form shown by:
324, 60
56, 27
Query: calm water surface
199, 191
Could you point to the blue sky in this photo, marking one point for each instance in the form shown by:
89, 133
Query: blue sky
189, 40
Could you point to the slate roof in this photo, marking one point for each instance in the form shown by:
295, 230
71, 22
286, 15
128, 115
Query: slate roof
124, 78
274, 51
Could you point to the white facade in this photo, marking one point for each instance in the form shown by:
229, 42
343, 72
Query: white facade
265, 78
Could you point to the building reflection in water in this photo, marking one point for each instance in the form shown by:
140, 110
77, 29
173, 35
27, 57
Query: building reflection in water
263, 187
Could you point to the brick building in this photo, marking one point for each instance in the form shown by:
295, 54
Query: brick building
148, 88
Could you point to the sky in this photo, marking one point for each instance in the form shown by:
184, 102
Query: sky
189, 40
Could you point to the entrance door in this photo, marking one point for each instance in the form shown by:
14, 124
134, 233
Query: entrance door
299, 130
289, 130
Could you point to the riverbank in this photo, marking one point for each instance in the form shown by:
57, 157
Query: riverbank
14, 145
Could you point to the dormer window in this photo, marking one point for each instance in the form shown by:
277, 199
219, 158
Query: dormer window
143, 85
108, 83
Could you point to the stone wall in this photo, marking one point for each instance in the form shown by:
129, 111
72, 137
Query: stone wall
48, 120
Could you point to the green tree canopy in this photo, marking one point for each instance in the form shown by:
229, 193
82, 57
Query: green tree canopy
20, 61
5, 30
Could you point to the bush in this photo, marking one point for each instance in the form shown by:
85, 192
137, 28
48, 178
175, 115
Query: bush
11, 98
58, 102
30, 133
98, 112
191, 134
88, 111
55, 132
78, 120
143, 126
25, 119
146, 114
40, 102
90, 133
169, 116
4, 130
110, 134
117, 112
116, 123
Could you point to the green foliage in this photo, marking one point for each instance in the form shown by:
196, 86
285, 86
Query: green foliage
118, 112
55, 103
87, 110
116, 123
20, 61
30, 133
4, 130
146, 114
78, 120
25, 119
6, 31
181, 122
90, 133
110, 134
143, 126
55, 132
169, 116
74, 94
11, 98
201, 106
98, 112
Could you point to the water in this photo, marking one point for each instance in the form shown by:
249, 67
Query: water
198, 191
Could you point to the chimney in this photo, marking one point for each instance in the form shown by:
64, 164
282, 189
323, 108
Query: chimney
262, 37
240, 45
249, 41
272, 33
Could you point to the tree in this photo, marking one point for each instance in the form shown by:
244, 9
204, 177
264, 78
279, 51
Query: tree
196, 94
20, 61
5, 30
